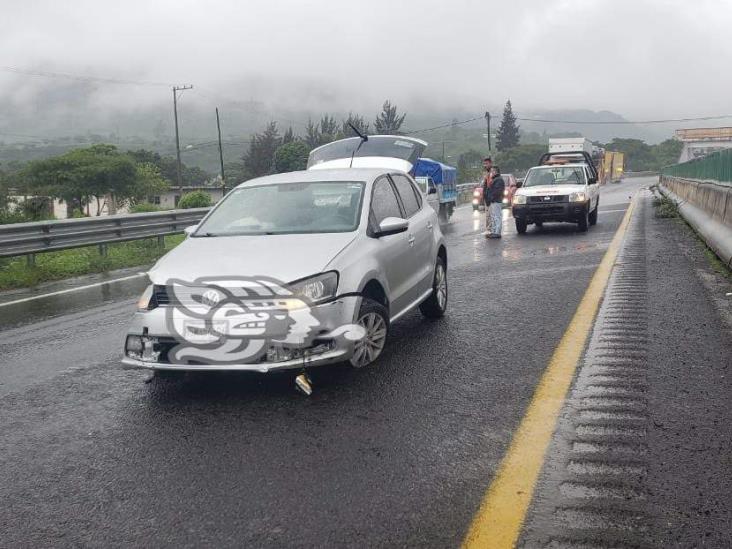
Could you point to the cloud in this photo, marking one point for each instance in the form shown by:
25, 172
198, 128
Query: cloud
642, 58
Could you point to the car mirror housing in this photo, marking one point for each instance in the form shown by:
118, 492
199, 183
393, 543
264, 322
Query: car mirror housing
432, 190
392, 225
592, 181
519, 183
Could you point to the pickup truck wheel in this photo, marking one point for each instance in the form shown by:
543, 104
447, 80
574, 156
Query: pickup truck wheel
436, 304
584, 222
593, 215
442, 215
374, 318
521, 225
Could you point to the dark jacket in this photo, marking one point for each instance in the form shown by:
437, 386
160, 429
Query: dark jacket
494, 192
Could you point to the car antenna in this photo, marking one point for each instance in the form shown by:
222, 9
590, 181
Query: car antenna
363, 137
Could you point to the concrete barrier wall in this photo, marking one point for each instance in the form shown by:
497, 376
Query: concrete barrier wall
707, 207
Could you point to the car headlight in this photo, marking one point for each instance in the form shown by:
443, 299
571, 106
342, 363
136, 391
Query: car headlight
316, 289
519, 199
476, 193
578, 197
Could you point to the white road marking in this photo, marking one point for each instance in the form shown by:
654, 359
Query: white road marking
70, 290
610, 211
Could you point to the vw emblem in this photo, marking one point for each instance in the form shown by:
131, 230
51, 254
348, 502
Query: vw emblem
547, 198
211, 297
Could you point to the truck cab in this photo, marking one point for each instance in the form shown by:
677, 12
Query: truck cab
557, 191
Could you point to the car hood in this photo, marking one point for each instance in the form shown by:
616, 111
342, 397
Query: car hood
282, 257
548, 190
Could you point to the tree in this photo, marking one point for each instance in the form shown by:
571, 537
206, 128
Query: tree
507, 135
289, 136
667, 153
358, 122
291, 157
195, 199
313, 136
94, 172
469, 166
638, 154
388, 121
520, 158
259, 160
191, 175
328, 129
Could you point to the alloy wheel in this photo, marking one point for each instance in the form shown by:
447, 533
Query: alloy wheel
368, 349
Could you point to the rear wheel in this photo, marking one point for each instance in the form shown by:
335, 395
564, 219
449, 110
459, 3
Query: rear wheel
436, 304
521, 225
374, 319
593, 215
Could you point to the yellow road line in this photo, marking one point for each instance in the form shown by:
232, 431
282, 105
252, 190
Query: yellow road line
500, 517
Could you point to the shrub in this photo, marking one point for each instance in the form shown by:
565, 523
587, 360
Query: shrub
144, 207
195, 199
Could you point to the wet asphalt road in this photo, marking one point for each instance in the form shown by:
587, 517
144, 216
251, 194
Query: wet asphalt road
397, 454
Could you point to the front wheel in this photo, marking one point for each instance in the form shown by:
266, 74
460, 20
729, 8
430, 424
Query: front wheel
521, 226
436, 304
584, 222
593, 215
374, 319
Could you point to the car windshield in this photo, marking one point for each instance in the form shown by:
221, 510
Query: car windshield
287, 208
555, 175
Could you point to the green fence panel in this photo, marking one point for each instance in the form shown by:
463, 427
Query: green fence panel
715, 167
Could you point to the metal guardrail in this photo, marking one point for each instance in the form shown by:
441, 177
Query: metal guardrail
46, 236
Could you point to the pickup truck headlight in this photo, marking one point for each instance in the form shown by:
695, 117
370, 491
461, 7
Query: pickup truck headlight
578, 197
476, 193
519, 199
316, 289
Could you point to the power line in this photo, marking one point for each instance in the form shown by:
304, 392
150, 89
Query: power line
627, 122
81, 78
456, 123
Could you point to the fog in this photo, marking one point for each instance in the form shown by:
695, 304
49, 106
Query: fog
289, 59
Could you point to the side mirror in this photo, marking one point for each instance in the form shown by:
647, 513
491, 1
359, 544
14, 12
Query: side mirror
431, 190
392, 225
190, 229
592, 180
519, 183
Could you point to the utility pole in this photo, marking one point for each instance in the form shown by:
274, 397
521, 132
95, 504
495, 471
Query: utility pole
221, 155
488, 123
176, 89
443, 152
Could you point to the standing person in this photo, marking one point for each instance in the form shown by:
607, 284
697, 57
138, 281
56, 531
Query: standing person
487, 176
493, 198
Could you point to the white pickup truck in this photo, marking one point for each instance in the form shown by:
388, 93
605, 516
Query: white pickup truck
557, 192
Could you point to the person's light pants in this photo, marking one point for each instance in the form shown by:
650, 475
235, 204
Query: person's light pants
494, 218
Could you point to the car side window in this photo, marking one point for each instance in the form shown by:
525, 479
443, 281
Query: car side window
407, 193
383, 201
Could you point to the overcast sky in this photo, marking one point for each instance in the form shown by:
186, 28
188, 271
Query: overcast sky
640, 58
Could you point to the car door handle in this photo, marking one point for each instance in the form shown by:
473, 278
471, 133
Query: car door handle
411, 240
429, 226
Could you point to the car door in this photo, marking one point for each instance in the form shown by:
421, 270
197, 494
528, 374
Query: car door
421, 227
593, 190
393, 252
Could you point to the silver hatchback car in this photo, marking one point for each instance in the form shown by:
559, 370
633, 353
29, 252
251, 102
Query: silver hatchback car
295, 270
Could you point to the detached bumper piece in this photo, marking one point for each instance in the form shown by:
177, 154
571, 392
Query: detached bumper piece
149, 352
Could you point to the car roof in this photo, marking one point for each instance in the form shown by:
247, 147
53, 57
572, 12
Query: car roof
365, 175
549, 166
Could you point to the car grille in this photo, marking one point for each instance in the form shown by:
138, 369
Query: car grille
552, 198
546, 209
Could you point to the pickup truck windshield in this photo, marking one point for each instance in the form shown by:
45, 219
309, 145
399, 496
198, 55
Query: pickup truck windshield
554, 175
287, 208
